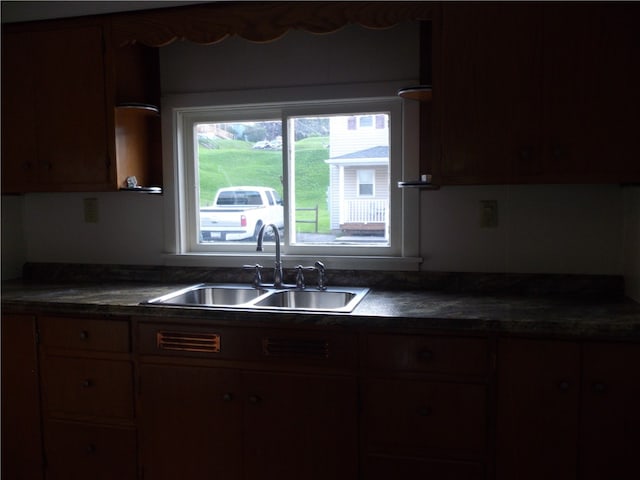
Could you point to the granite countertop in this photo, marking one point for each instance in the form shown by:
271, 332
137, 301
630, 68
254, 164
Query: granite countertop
389, 310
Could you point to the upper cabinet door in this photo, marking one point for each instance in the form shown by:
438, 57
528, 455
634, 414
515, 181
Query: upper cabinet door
537, 93
72, 114
487, 94
55, 134
19, 111
591, 72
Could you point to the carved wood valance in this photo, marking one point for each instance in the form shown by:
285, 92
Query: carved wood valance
258, 21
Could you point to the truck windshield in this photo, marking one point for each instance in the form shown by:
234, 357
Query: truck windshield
239, 198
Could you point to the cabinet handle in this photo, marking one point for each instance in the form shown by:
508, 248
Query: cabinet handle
84, 335
87, 383
425, 355
424, 411
254, 399
599, 387
227, 397
564, 385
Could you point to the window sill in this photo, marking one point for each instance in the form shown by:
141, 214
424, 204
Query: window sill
227, 260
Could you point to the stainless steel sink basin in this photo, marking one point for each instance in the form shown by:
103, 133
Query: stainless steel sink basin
211, 295
333, 299
329, 300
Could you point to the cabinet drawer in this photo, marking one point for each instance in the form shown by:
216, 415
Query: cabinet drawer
425, 415
77, 452
428, 354
80, 386
85, 334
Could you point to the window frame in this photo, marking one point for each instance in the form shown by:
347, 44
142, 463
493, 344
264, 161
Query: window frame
179, 110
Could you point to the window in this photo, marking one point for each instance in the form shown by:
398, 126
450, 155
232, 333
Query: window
299, 165
366, 182
366, 121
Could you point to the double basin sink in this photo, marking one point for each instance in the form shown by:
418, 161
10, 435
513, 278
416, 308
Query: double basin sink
332, 299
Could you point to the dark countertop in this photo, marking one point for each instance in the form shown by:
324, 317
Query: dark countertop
413, 310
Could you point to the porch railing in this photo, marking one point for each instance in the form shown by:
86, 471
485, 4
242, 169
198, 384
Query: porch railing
364, 211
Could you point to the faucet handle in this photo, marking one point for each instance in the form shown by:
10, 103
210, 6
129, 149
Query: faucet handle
257, 275
300, 275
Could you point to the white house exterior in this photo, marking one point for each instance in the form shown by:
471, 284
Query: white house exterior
359, 173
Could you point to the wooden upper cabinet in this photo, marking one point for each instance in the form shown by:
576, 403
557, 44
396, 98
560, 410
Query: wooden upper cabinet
536, 93
485, 90
590, 78
71, 120
60, 130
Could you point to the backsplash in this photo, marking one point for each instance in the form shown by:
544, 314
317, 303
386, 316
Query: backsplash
450, 282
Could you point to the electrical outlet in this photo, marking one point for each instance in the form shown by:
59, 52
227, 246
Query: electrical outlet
90, 210
488, 213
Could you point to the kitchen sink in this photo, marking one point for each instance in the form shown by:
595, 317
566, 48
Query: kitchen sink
332, 299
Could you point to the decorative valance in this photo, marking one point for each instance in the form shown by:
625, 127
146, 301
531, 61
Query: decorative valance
258, 21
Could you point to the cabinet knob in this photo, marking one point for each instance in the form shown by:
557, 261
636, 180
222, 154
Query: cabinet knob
424, 411
425, 355
599, 387
254, 399
227, 397
526, 153
87, 383
558, 152
91, 448
564, 385
84, 335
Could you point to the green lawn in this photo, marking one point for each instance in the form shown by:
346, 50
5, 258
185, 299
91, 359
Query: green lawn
234, 163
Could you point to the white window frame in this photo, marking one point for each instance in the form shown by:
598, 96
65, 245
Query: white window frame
179, 111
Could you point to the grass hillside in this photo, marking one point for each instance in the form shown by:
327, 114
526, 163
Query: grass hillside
234, 162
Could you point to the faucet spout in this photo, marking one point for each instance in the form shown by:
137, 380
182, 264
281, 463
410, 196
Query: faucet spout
277, 271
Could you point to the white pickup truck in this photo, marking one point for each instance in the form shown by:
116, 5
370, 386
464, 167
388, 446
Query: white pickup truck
238, 213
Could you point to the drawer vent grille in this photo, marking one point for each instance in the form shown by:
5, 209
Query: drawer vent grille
295, 347
188, 341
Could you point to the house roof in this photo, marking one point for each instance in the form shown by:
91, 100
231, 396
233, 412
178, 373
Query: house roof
368, 156
373, 152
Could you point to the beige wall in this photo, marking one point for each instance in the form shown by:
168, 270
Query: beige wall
544, 228
632, 241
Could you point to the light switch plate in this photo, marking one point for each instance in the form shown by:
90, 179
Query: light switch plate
90, 210
488, 213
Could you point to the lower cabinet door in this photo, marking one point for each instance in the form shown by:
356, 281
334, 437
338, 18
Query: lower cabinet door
21, 427
77, 451
610, 420
399, 468
538, 399
300, 427
190, 423
425, 416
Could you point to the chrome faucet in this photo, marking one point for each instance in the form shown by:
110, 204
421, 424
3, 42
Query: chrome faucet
277, 271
